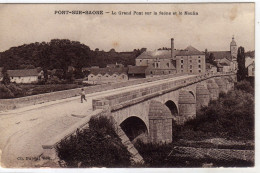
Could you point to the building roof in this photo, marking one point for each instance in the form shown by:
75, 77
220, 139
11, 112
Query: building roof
223, 64
137, 69
161, 54
249, 61
189, 51
107, 70
222, 54
166, 54
23, 72
252, 64
209, 66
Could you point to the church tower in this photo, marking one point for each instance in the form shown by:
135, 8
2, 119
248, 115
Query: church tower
233, 49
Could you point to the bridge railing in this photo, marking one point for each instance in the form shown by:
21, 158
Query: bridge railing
6, 104
116, 101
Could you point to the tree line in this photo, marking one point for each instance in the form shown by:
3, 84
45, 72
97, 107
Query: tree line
60, 54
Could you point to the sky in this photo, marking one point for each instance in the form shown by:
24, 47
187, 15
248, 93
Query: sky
212, 28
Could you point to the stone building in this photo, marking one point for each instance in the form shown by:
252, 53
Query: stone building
227, 58
251, 69
107, 75
23, 75
172, 61
137, 71
210, 68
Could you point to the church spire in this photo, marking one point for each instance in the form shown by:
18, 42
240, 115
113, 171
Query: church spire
233, 43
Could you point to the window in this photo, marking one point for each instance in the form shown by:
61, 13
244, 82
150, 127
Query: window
190, 60
190, 66
168, 65
199, 60
163, 72
199, 56
182, 71
199, 66
151, 72
140, 60
199, 71
190, 71
181, 66
169, 72
182, 61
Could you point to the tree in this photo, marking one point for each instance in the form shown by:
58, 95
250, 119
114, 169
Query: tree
96, 146
211, 59
241, 73
6, 78
44, 58
207, 55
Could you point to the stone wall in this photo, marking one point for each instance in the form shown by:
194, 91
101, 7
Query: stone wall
7, 104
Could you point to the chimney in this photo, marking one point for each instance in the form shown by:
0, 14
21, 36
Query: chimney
172, 47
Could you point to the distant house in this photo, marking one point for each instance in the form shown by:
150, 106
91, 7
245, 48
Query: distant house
227, 58
219, 68
225, 67
137, 71
25, 75
171, 61
210, 68
107, 75
251, 70
115, 65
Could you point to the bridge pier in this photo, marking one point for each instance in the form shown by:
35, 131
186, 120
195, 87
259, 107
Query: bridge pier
187, 106
203, 96
221, 84
230, 83
160, 123
213, 89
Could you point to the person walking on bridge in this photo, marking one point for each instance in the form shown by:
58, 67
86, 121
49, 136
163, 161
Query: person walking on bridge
82, 95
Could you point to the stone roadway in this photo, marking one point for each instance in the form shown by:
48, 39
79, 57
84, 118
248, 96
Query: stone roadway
24, 130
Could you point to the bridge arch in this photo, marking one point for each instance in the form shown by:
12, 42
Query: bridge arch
192, 93
173, 107
134, 127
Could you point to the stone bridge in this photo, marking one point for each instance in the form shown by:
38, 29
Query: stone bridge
150, 112
144, 109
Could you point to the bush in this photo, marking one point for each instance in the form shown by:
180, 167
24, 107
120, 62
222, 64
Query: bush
231, 116
16, 90
245, 86
5, 92
97, 146
54, 80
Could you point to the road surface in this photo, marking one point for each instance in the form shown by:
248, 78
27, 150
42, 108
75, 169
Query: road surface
24, 130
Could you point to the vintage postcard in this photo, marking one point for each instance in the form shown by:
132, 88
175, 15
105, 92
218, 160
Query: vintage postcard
127, 85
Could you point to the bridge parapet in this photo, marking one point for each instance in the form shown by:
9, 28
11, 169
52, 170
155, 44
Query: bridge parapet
123, 99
